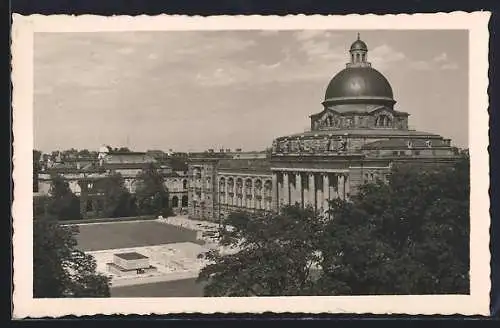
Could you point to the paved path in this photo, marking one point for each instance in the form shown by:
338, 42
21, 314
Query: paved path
178, 288
168, 277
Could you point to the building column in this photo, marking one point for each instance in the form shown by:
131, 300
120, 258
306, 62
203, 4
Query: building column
274, 192
280, 191
298, 188
326, 191
253, 202
312, 191
319, 191
293, 189
347, 187
333, 191
244, 195
341, 189
226, 195
286, 189
234, 198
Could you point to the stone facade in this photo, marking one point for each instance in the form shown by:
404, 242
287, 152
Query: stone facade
81, 180
355, 139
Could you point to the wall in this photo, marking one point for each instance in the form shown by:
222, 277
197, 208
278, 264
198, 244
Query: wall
131, 264
202, 175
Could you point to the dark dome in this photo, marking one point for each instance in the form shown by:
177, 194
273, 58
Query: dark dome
359, 45
359, 84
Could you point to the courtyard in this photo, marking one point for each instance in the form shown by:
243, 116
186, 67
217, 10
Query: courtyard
178, 288
117, 235
171, 244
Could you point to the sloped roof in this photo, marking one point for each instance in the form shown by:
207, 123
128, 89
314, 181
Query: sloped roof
113, 158
115, 166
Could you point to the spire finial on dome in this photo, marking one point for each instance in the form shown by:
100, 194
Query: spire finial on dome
358, 36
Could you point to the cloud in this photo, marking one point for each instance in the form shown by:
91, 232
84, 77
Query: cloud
305, 35
449, 66
317, 49
384, 56
421, 65
220, 77
126, 51
444, 63
440, 58
319, 45
270, 66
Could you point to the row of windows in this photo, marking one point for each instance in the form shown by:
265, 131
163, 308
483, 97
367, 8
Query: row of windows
359, 58
372, 176
403, 152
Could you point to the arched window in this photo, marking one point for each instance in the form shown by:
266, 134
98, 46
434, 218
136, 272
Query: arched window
175, 202
88, 207
258, 187
357, 58
239, 186
248, 186
383, 121
184, 202
184, 184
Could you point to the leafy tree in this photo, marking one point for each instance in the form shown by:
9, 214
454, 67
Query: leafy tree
70, 153
117, 199
84, 153
54, 154
36, 168
118, 149
63, 204
407, 236
151, 193
59, 268
39, 205
275, 255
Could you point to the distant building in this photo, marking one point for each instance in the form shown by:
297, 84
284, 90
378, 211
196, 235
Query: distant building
356, 138
82, 175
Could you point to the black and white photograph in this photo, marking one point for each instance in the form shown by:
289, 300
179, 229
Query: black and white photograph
244, 164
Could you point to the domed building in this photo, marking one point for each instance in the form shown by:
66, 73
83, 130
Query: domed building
356, 138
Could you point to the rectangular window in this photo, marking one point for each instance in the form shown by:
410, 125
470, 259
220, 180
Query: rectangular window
395, 153
417, 152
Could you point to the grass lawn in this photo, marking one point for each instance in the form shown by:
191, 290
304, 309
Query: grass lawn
94, 237
178, 288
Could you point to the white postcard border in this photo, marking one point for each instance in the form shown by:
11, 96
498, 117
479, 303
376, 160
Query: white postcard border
22, 51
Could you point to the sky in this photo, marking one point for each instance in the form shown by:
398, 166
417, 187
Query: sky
195, 90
